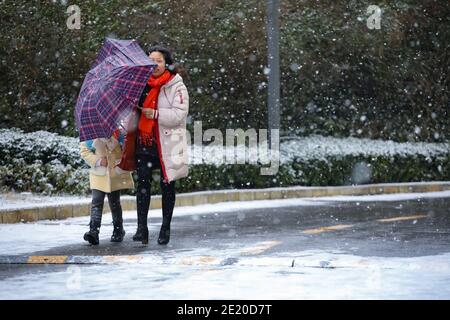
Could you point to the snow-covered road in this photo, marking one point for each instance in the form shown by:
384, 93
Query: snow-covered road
386, 247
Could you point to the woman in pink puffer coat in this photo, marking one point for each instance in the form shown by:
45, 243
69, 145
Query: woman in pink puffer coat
161, 141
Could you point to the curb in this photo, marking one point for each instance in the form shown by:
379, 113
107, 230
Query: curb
27, 259
82, 207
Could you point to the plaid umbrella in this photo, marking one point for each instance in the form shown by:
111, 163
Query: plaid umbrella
112, 88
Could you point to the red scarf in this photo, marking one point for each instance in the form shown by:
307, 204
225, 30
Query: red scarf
146, 126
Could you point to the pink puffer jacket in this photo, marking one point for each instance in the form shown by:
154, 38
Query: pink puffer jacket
173, 107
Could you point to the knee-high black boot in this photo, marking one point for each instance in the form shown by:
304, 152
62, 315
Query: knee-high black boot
96, 217
116, 212
142, 199
142, 229
168, 203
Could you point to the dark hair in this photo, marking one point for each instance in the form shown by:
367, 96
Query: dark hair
167, 57
173, 68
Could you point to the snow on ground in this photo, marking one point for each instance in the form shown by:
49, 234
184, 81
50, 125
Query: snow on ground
389, 197
315, 275
23, 200
234, 272
41, 235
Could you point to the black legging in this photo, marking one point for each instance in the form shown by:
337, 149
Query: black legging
147, 159
98, 199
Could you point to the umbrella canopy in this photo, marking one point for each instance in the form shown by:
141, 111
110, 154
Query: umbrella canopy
112, 88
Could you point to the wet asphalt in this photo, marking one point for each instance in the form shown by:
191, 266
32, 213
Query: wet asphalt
406, 228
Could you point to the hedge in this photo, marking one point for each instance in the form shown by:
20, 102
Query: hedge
47, 163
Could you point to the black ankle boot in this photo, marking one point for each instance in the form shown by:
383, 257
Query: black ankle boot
92, 235
164, 235
141, 234
118, 234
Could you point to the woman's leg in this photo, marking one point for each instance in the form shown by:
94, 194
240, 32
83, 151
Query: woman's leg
116, 212
143, 193
168, 204
98, 198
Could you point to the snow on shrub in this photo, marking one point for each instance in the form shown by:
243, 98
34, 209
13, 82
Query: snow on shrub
47, 163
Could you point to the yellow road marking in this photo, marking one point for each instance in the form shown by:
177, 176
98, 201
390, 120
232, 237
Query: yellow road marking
203, 260
260, 247
114, 259
327, 229
47, 259
421, 216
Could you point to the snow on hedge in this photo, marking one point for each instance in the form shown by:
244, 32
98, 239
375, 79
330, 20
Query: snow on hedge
42, 145
321, 148
316, 147
48, 147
